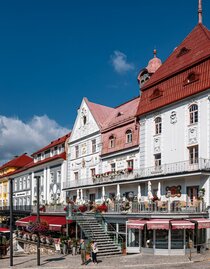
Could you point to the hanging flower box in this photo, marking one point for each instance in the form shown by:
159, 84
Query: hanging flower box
102, 208
82, 208
130, 169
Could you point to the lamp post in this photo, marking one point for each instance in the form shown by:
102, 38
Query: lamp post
38, 218
11, 220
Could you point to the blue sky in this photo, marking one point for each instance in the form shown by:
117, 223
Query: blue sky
53, 53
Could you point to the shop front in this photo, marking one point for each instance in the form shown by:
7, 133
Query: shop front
165, 236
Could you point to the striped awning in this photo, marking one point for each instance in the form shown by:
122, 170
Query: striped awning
136, 224
201, 222
158, 224
182, 224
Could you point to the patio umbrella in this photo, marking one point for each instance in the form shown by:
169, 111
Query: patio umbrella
81, 195
139, 193
150, 196
118, 191
77, 200
103, 193
159, 191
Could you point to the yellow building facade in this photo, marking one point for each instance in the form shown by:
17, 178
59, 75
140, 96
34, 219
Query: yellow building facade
4, 185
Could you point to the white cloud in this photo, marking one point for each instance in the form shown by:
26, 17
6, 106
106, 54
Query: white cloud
119, 62
18, 137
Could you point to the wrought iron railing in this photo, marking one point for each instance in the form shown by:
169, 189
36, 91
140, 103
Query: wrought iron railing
165, 169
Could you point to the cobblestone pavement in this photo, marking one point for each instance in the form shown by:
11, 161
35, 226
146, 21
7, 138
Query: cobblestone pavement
128, 261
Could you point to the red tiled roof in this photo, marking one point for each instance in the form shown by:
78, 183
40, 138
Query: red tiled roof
17, 162
170, 78
198, 44
119, 121
34, 164
53, 143
99, 112
122, 113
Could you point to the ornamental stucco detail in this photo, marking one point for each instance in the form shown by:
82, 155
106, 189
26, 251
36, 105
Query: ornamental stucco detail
173, 117
157, 144
192, 135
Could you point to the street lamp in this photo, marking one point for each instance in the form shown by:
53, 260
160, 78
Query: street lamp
38, 218
11, 219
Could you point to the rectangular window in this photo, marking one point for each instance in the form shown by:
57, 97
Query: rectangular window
76, 175
24, 183
58, 176
93, 172
51, 177
130, 164
193, 154
76, 151
113, 167
157, 161
93, 145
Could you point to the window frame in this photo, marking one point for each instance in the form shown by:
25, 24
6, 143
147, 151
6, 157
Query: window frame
158, 161
111, 141
93, 141
129, 136
158, 125
193, 114
76, 148
193, 154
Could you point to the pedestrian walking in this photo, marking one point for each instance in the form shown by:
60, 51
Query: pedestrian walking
94, 251
83, 251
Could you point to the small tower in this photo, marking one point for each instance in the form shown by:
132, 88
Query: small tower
151, 68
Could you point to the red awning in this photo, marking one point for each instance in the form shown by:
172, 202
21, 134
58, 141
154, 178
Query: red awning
158, 224
136, 224
4, 230
202, 223
55, 222
182, 224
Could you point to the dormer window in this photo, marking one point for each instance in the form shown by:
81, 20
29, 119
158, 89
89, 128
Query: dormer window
129, 136
111, 141
182, 52
156, 94
192, 77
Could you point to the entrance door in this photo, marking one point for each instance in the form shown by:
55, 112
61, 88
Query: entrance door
92, 197
192, 193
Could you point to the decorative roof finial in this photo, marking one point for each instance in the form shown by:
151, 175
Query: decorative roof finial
200, 11
154, 52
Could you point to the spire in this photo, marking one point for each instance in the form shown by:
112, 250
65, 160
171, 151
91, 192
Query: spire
200, 11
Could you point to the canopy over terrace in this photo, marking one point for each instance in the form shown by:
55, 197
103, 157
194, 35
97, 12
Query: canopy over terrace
165, 236
56, 223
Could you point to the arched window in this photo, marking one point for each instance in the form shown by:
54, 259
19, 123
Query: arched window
112, 141
158, 125
193, 111
129, 136
84, 120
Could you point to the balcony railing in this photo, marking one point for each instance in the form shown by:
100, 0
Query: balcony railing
165, 169
17, 208
157, 207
